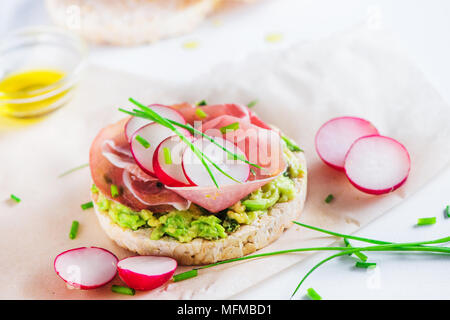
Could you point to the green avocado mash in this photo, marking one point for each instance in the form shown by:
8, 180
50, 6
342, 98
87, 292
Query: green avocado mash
186, 225
193, 223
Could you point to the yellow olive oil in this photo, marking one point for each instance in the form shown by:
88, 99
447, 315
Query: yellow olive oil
20, 92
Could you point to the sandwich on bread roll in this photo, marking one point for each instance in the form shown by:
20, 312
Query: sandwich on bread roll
153, 197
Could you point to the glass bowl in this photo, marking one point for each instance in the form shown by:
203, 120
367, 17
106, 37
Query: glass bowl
39, 68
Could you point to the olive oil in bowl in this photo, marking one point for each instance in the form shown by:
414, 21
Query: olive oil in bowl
31, 93
39, 68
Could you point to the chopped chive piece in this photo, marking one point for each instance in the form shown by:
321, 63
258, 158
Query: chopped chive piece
201, 103
291, 144
123, 290
313, 294
253, 171
329, 198
74, 229
15, 198
360, 264
231, 127
447, 211
200, 113
87, 205
114, 191
426, 221
167, 156
252, 103
360, 255
142, 141
73, 169
185, 275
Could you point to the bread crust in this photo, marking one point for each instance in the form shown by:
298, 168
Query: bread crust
247, 239
129, 22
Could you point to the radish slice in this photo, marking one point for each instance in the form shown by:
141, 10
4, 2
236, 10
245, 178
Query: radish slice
86, 268
135, 123
154, 133
377, 164
169, 170
334, 138
146, 272
197, 174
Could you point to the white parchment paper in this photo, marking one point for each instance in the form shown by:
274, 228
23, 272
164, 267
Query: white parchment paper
361, 73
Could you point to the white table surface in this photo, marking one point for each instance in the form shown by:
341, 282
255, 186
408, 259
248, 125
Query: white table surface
422, 27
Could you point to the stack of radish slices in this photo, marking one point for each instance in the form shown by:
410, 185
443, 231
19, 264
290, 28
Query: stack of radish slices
161, 154
373, 163
90, 268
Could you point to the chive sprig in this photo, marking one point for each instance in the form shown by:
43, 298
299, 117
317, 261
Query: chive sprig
147, 113
73, 170
379, 245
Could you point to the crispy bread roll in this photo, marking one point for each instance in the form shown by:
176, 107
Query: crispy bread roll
129, 22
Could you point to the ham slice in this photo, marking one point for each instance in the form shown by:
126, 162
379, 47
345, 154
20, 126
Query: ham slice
261, 146
213, 111
111, 163
215, 200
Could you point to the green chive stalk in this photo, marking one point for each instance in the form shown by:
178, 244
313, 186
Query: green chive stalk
199, 154
147, 113
73, 169
152, 115
380, 246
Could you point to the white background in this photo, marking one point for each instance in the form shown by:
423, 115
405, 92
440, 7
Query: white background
421, 26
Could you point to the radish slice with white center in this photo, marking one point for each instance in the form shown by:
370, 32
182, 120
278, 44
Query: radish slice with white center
146, 272
334, 138
377, 164
154, 134
167, 162
135, 123
196, 172
86, 268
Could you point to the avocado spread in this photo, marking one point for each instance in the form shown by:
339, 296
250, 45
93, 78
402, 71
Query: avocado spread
197, 222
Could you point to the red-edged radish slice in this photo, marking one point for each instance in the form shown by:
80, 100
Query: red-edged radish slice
146, 272
197, 174
135, 123
334, 138
167, 160
154, 134
86, 268
377, 164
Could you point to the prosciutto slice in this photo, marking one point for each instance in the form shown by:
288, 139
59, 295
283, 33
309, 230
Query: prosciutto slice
215, 200
261, 146
111, 163
212, 111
